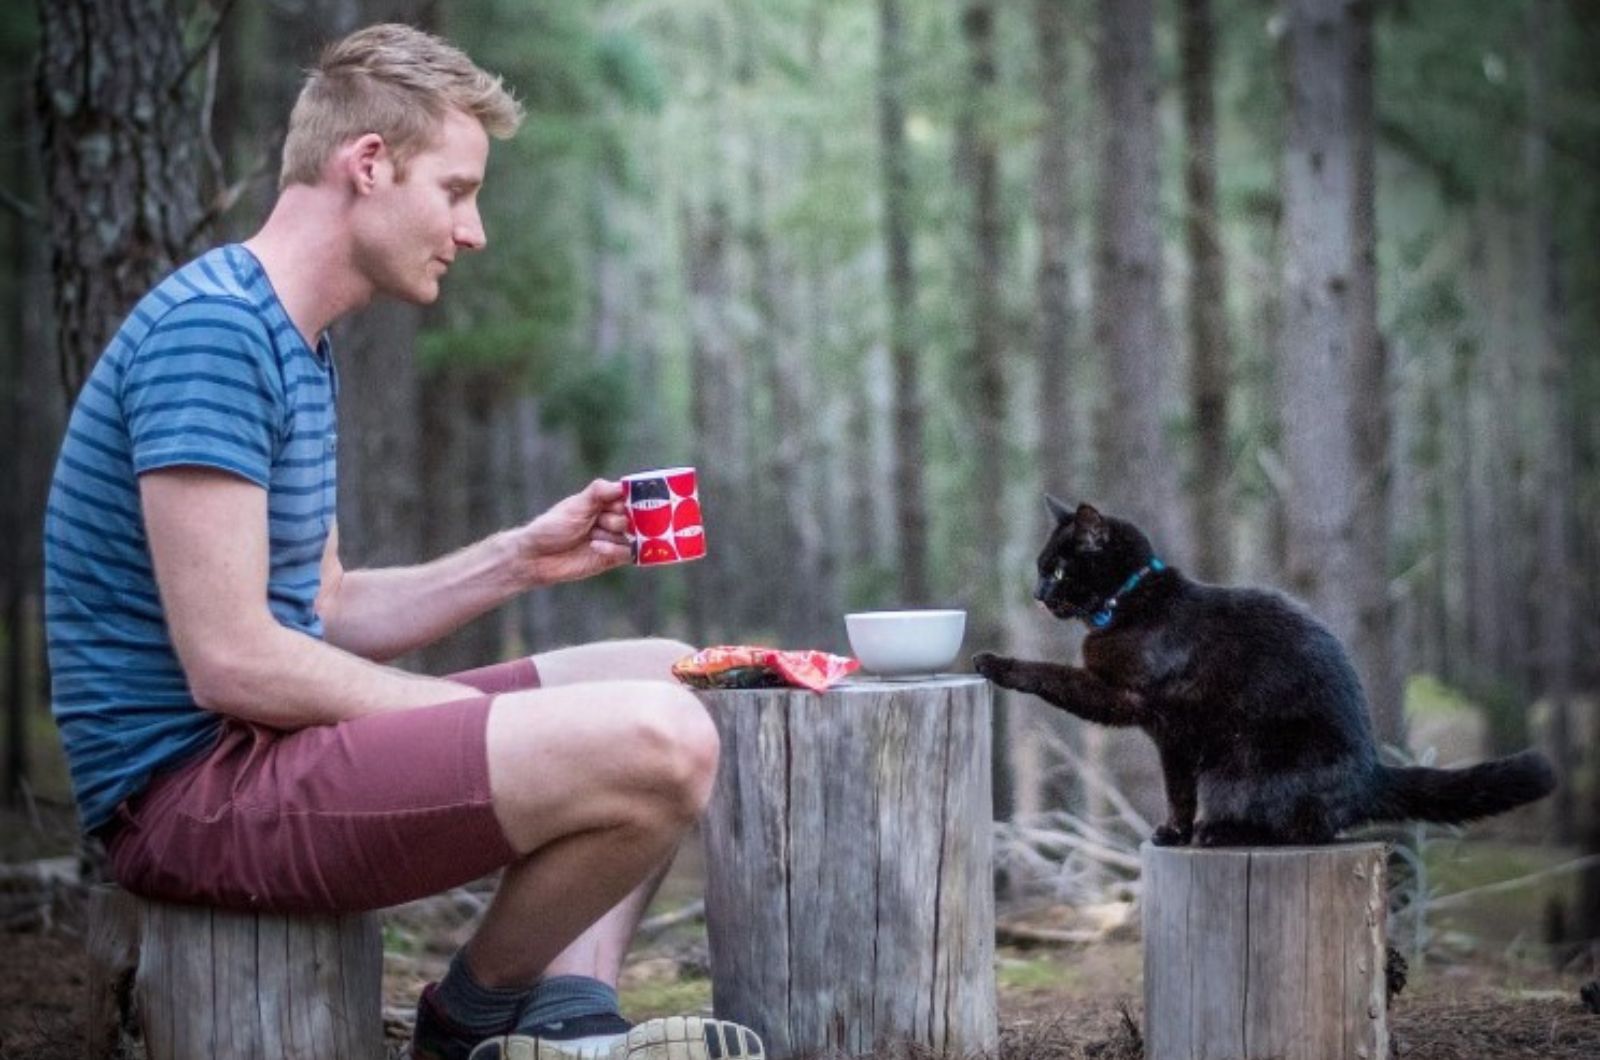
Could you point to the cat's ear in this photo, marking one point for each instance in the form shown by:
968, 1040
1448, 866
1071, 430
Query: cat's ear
1058, 508
1089, 527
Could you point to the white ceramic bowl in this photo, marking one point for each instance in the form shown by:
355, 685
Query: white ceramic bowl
905, 643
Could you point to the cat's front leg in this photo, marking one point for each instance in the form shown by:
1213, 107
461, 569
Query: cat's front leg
1180, 779
1076, 691
1018, 675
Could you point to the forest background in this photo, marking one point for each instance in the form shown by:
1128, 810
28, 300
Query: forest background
1310, 289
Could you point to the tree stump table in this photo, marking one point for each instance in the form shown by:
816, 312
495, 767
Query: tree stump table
192, 982
849, 862
1265, 952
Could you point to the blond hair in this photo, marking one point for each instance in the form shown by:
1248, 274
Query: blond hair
393, 80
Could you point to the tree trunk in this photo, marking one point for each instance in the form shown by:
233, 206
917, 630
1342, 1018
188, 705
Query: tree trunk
380, 486
1266, 952
714, 580
214, 984
982, 371
122, 157
1053, 215
1057, 353
624, 287
1555, 612
910, 493
1372, 391
848, 897
787, 540
28, 415
1138, 470
1318, 175
1210, 350
1497, 564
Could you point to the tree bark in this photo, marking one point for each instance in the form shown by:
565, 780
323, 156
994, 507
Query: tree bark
122, 161
1138, 470
1374, 646
714, 580
1318, 182
1555, 611
910, 492
214, 984
982, 371
1264, 952
1210, 352
380, 485
848, 896
1053, 216
787, 540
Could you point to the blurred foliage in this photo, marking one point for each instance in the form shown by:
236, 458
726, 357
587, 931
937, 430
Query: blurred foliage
1427, 695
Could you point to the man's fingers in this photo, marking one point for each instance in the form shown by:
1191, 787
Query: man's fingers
604, 492
613, 523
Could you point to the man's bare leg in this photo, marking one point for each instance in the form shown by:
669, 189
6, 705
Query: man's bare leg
600, 950
501, 946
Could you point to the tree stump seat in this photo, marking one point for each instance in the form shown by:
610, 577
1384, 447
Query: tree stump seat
849, 867
182, 982
1265, 952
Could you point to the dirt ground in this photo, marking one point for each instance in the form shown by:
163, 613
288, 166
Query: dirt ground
1472, 1011
1056, 1003
1065, 1004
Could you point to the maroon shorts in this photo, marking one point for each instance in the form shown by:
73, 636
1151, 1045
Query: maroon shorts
370, 812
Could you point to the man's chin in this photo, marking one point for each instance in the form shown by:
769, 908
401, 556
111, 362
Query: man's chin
425, 293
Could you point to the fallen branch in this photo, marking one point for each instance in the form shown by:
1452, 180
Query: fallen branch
694, 911
1460, 897
1024, 937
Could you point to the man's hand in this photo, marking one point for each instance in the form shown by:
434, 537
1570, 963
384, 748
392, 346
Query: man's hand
585, 534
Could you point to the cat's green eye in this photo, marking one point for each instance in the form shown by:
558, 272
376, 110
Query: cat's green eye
1060, 571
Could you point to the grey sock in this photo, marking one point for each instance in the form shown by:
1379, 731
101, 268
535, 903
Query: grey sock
567, 997
476, 1008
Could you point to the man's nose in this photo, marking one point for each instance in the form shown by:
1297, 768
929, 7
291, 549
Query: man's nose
469, 234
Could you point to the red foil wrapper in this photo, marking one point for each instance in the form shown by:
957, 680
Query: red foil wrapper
732, 666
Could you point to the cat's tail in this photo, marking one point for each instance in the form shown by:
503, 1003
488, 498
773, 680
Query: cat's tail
1455, 796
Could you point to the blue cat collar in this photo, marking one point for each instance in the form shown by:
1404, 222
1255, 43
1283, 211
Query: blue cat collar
1102, 617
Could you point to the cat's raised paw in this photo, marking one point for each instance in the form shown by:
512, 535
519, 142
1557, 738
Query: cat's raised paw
1167, 835
994, 667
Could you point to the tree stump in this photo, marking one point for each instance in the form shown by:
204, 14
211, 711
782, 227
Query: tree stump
193, 982
849, 862
1265, 952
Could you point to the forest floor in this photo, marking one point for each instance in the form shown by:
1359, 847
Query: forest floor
1475, 997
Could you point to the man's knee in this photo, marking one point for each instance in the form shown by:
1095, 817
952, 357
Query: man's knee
676, 744
636, 753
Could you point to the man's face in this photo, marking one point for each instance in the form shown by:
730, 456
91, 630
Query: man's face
410, 230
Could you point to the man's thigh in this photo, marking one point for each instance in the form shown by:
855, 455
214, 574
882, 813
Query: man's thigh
641, 659
371, 812
586, 756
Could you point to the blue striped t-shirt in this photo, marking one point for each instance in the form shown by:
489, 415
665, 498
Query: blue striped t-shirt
208, 370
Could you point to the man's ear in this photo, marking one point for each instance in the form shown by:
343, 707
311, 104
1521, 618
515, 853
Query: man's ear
1058, 509
363, 158
1089, 527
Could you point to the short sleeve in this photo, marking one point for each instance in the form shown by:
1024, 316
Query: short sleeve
204, 388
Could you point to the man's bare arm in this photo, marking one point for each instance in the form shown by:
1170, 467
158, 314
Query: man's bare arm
209, 540
382, 614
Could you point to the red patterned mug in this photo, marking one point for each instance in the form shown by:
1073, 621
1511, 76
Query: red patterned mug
664, 516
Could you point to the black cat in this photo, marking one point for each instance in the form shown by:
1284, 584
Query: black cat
1256, 711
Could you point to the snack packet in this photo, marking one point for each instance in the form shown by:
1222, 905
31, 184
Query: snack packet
735, 666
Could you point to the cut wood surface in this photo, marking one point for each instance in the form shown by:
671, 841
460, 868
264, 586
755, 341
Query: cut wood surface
1269, 952
849, 893
224, 985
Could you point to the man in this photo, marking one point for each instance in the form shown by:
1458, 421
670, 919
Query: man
232, 734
